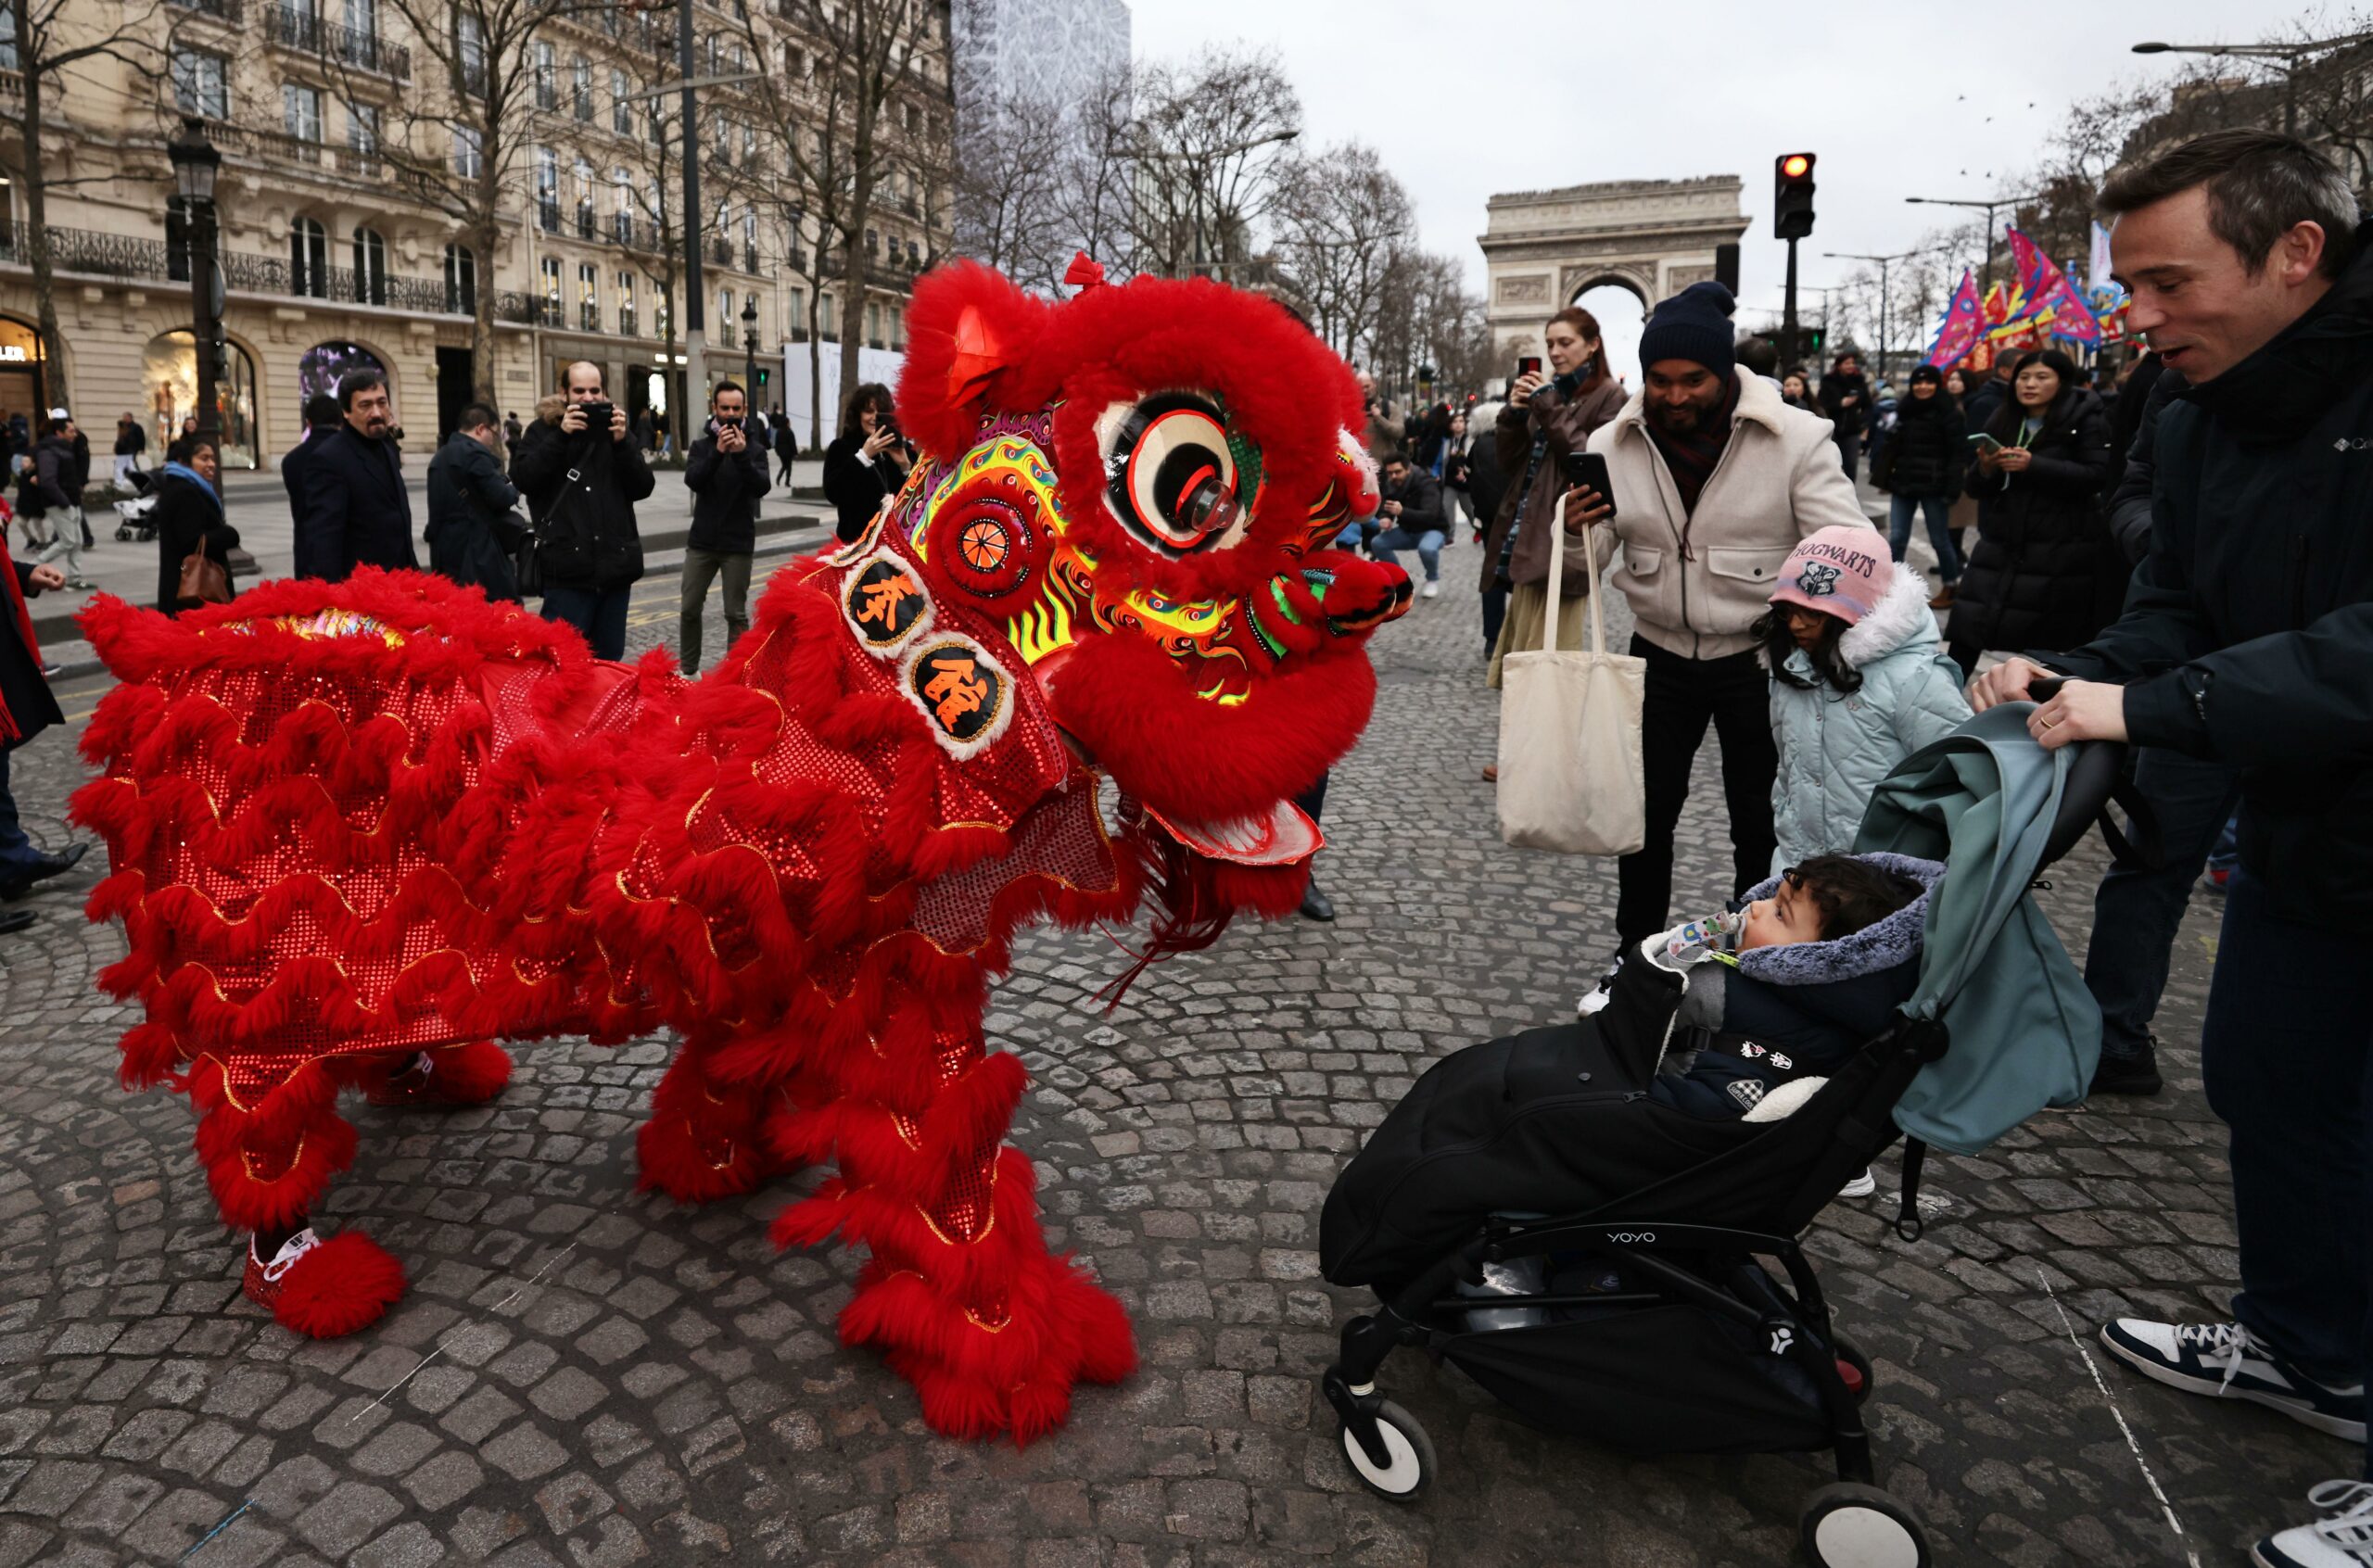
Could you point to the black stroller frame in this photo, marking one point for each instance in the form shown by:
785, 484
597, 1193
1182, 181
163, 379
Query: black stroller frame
1668, 1257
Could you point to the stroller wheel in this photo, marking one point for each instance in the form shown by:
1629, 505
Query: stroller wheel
1847, 1526
1412, 1450
1851, 1357
123, 532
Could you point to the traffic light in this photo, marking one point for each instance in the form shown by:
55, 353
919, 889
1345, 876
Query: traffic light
1813, 341
1792, 195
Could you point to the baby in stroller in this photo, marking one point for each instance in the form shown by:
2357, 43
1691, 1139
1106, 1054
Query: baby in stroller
1733, 1020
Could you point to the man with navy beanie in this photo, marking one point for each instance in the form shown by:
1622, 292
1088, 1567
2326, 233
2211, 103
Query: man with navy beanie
1716, 480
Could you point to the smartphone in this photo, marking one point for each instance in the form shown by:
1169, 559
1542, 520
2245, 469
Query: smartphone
1985, 443
1529, 365
1589, 470
597, 415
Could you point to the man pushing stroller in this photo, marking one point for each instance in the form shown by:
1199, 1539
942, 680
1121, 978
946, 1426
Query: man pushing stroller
1739, 1017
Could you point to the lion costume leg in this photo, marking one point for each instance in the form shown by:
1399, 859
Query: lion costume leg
960, 1294
270, 1150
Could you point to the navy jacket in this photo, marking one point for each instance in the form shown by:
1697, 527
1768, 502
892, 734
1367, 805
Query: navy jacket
726, 490
472, 534
2248, 632
356, 511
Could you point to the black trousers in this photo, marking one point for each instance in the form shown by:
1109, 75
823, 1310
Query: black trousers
1684, 695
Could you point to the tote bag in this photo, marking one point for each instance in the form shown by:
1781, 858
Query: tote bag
1569, 734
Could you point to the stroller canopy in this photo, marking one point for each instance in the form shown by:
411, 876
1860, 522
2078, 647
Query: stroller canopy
2024, 1032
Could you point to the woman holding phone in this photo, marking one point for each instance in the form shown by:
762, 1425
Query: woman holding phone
2043, 574
1547, 415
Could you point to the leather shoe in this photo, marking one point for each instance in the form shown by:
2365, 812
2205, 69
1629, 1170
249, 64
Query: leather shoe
1315, 904
43, 870
17, 921
2137, 1074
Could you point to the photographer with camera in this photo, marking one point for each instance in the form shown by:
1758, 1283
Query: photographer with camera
726, 471
582, 475
867, 462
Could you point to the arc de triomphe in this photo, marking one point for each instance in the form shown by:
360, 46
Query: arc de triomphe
1654, 238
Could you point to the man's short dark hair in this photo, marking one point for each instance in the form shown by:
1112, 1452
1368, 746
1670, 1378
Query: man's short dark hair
476, 416
722, 387
1852, 894
321, 410
2260, 186
1757, 355
354, 382
1398, 454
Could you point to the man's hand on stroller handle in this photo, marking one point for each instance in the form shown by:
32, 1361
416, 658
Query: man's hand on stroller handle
2076, 710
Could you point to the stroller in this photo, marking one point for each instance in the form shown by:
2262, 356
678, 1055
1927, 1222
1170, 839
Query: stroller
1651, 1323
133, 518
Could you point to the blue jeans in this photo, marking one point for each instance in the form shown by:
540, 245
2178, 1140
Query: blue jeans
2137, 911
1354, 535
2227, 855
2286, 1051
17, 854
599, 613
1937, 509
1429, 546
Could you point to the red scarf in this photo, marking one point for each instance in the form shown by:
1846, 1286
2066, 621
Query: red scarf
10, 731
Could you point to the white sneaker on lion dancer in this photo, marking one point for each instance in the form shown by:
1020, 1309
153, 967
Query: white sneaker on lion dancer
2341, 1538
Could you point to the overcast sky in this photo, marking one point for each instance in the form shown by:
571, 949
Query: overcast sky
1898, 97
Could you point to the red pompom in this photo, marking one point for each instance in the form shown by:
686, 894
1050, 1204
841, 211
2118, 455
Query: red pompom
342, 1285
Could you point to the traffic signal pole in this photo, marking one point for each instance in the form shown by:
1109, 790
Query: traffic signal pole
1788, 351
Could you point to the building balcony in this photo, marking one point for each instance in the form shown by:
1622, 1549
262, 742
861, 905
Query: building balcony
230, 12
548, 214
310, 34
132, 258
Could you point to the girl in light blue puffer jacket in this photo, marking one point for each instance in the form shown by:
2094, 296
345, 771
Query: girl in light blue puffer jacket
1859, 681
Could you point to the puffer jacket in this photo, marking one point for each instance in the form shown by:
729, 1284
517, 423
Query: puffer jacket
2044, 572
1927, 451
1835, 747
1698, 580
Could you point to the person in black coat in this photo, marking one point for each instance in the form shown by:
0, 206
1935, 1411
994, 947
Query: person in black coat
321, 421
2043, 574
472, 534
188, 516
726, 471
1921, 469
867, 462
26, 709
582, 473
783, 439
356, 511
1845, 402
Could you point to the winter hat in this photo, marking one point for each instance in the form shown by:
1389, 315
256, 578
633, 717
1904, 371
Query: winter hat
1693, 324
1927, 372
1842, 571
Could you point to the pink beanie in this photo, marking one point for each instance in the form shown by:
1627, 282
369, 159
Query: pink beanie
1843, 570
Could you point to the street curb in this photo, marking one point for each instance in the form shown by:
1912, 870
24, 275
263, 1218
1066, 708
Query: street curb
780, 543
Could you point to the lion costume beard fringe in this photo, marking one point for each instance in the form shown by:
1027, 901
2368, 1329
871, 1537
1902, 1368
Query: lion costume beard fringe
350, 824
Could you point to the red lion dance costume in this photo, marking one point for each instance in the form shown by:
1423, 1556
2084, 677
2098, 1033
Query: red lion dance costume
360, 831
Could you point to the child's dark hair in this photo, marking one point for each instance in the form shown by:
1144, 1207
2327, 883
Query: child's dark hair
1852, 894
1778, 643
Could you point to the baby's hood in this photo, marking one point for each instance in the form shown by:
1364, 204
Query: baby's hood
1882, 946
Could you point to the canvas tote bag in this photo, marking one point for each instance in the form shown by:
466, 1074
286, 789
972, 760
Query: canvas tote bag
1569, 734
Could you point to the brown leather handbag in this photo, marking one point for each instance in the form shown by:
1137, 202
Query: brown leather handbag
204, 579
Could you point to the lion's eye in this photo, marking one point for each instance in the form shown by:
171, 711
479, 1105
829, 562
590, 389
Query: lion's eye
1172, 477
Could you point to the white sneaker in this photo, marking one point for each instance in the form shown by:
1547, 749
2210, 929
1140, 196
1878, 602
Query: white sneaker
1602, 993
2341, 1538
1431, 591
2224, 1362
1861, 1186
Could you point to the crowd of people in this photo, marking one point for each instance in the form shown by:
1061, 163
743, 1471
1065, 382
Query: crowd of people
2181, 539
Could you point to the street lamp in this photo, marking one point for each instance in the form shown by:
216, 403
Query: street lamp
750, 347
2290, 55
1884, 263
196, 165
1989, 207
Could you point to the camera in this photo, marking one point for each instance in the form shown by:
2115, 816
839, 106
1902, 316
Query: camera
597, 415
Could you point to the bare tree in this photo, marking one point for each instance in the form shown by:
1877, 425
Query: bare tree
44, 40
1004, 183
842, 106
1095, 200
1343, 222
1206, 166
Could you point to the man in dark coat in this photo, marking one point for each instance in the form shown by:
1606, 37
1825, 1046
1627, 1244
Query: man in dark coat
1411, 514
784, 440
581, 471
26, 709
321, 419
1846, 398
726, 471
356, 511
472, 534
2248, 639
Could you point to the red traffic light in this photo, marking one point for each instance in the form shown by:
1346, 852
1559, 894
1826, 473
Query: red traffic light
1795, 166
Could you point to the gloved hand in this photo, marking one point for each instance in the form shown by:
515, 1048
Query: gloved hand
1694, 942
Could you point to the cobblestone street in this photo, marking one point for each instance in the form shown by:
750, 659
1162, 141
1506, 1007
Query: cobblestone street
585, 1374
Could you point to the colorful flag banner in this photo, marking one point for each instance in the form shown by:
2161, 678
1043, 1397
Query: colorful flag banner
1958, 330
2052, 305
